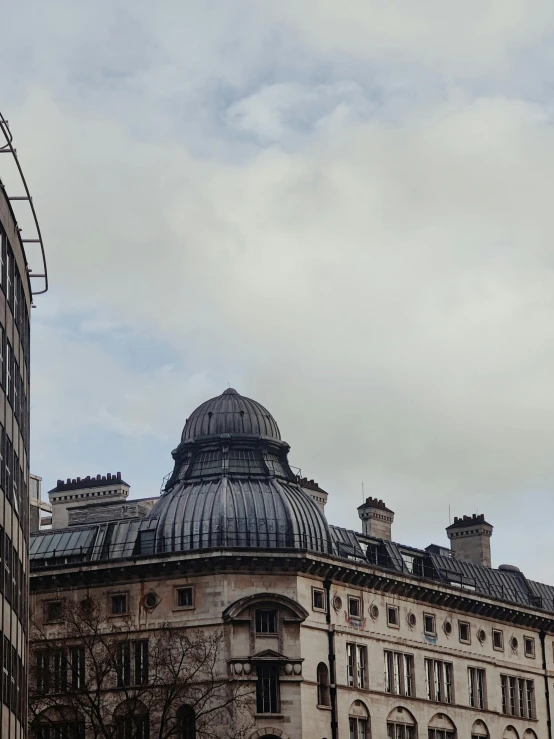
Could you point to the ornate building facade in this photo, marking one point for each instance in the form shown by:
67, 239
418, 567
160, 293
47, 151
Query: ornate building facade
337, 634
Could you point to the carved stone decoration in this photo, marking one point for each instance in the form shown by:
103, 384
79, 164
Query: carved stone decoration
288, 669
150, 601
514, 644
297, 669
447, 627
247, 668
374, 611
411, 620
336, 602
238, 668
481, 636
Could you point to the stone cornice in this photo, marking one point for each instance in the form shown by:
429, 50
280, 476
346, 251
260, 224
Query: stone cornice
294, 562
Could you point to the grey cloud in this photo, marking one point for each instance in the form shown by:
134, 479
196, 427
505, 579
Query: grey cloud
385, 288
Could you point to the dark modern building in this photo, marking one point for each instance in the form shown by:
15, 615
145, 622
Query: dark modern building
15, 309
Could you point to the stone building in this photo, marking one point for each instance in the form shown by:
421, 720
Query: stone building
340, 634
15, 309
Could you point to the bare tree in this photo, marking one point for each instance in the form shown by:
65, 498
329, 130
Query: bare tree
98, 676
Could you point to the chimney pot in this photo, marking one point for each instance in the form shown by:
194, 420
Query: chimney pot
119, 475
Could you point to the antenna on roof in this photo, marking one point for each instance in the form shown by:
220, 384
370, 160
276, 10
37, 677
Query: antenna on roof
449, 516
363, 493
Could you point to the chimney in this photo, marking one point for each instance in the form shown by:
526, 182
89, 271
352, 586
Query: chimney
470, 539
376, 519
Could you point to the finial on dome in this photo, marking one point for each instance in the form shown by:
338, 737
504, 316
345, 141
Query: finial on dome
230, 391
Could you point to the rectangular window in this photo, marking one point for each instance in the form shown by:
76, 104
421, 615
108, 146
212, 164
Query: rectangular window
118, 603
518, 696
441, 734
399, 670
53, 611
358, 728
529, 644
429, 624
185, 597
400, 731
498, 640
476, 679
266, 622
393, 618
77, 667
267, 688
318, 599
356, 665
464, 632
438, 678
361, 657
132, 663
354, 607
51, 670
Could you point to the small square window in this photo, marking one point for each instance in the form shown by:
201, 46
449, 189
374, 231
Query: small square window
498, 640
464, 632
119, 604
393, 618
266, 622
185, 597
318, 599
529, 643
53, 610
429, 624
354, 607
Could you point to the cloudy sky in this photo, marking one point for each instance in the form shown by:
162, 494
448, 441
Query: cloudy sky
343, 210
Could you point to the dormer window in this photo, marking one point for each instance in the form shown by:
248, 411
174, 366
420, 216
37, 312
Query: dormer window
266, 622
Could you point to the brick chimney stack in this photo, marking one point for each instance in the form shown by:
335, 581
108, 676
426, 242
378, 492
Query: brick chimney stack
376, 518
470, 539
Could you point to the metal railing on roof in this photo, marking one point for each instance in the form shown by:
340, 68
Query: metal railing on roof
8, 148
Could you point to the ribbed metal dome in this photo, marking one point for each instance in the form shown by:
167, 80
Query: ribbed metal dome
261, 513
232, 486
230, 413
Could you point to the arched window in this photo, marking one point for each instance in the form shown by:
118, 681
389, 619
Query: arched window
529, 734
358, 720
510, 733
57, 722
479, 730
323, 692
401, 724
187, 722
441, 727
131, 720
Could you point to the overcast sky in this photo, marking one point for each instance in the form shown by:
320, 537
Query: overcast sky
341, 209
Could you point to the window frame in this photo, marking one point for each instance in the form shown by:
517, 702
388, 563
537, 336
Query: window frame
358, 600
439, 672
112, 597
353, 668
274, 700
529, 640
400, 678
518, 697
391, 608
477, 686
48, 619
464, 624
500, 633
319, 591
258, 621
180, 589
426, 631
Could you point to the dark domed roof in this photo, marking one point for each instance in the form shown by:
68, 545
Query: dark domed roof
222, 512
230, 413
232, 486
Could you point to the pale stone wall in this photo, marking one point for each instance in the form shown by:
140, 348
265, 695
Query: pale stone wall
308, 642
